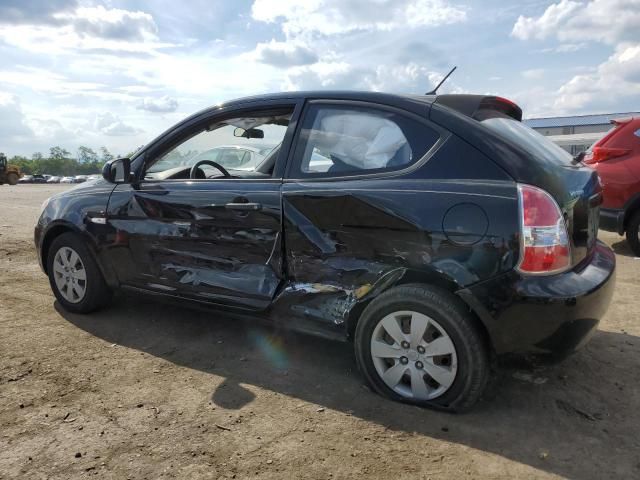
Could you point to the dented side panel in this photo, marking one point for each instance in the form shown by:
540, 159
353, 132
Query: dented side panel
348, 240
180, 237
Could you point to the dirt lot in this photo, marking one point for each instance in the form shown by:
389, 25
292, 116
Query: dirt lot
149, 391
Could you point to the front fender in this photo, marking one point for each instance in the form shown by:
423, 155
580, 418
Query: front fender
80, 211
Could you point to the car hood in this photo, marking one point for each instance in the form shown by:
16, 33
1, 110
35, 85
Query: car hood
90, 186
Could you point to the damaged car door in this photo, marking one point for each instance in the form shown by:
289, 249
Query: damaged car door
345, 210
193, 228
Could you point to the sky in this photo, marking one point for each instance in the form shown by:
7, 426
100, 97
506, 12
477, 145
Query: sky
117, 73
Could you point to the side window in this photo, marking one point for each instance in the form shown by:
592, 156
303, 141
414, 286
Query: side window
336, 140
239, 144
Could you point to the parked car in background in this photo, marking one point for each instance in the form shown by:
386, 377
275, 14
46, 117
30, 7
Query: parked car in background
434, 232
26, 179
616, 158
79, 179
66, 180
54, 179
38, 179
94, 177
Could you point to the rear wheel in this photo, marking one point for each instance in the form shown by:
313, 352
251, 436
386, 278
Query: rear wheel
12, 178
74, 275
416, 344
633, 233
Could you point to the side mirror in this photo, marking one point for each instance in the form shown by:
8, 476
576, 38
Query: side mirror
117, 171
249, 133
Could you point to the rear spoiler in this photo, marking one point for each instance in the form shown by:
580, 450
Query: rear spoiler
480, 107
620, 121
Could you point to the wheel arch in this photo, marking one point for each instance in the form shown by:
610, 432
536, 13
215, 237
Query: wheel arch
423, 278
54, 231
59, 228
632, 206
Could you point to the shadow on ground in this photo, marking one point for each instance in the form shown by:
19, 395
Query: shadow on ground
578, 419
622, 248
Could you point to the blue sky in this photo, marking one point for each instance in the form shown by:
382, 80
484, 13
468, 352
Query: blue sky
117, 73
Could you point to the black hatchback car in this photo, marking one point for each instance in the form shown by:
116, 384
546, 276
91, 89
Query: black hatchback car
435, 232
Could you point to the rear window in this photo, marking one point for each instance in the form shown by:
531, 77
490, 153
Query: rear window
528, 138
350, 140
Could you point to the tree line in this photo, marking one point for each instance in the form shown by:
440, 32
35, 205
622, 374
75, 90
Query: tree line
61, 162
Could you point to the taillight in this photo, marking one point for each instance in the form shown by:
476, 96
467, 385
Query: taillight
544, 239
600, 154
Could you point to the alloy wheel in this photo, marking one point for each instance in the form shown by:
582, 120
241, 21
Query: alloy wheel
414, 355
70, 275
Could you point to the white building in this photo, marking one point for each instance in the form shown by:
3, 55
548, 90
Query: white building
577, 133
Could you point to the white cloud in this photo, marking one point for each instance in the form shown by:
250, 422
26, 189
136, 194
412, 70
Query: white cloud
565, 48
89, 29
34, 11
12, 121
411, 77
111, 23
163, 104
27, 134
608, 21
283, 54
619, 74
319, 75
614, 83
328, 17
533, 74
338, 44
110, 124
70, 61
46, 81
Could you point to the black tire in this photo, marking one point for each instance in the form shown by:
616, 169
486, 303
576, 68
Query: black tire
633, 233
12, 178
97, 293
473, 365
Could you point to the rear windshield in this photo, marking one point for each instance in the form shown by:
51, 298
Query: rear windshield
528, 138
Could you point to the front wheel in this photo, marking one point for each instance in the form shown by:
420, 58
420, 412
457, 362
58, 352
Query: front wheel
417, 344
74, 275
633, 233
12, 179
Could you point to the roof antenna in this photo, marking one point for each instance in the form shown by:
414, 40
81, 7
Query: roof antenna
433, 92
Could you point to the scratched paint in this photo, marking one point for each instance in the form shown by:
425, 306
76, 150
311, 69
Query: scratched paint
251, 278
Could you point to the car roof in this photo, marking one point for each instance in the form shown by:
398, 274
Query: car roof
344, 94
466, 104
395, 99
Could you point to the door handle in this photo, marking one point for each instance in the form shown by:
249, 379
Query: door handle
244, 206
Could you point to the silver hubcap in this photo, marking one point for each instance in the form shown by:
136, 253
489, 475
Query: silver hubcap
69, 275
413, 355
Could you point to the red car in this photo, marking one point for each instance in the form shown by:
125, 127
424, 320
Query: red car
616, 158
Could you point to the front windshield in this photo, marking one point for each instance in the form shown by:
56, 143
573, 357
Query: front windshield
237, 144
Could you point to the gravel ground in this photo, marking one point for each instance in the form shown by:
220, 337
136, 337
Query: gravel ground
142, 390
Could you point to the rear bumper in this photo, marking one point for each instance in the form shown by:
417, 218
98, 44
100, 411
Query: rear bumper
550, 316
612, 220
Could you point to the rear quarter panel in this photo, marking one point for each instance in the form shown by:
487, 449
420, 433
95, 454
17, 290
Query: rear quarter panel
453, 222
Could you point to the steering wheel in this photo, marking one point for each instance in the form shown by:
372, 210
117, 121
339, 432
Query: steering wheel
193, 173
